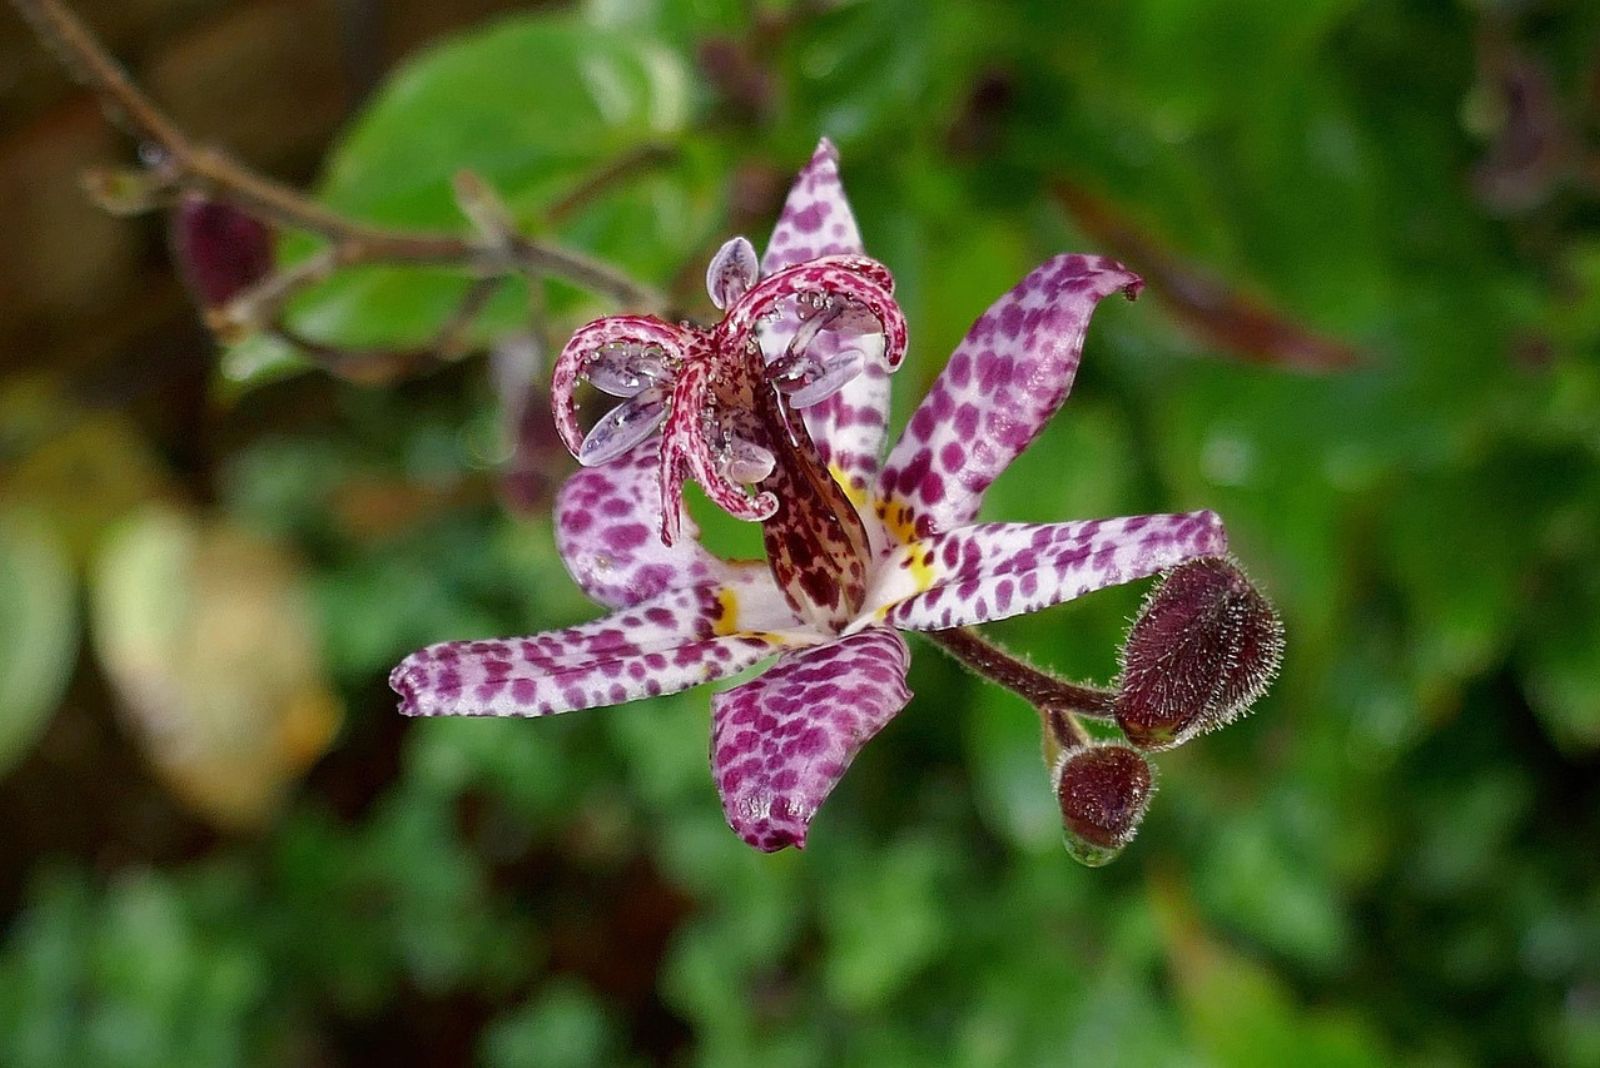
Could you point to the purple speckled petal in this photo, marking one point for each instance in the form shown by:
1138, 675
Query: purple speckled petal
996, 570
816, 219
669, 643
779, 744
608, 524
848, 428
1003, 383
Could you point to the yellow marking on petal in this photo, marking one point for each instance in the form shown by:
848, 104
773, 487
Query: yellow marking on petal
897, 520
727, 621
856, 494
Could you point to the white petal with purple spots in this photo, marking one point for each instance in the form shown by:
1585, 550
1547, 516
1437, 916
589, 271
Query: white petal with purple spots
660, 646
1002, 384
608, 522
780, 743
992, 571
848, 427
816, 219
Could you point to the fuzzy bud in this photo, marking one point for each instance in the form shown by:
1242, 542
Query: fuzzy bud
221, 251
1103, 791
1205, 645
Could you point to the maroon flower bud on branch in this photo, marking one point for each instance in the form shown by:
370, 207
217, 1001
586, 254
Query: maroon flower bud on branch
1205, 645
1103, 791
221, 251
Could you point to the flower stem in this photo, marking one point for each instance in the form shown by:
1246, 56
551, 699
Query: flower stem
1058, 701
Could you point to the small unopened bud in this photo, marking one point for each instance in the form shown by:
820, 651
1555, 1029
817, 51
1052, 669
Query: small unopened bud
1204, 646
1104, 791
221, 251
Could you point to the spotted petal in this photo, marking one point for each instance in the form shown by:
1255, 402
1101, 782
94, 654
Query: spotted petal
996, 570
816, 219
1003, 383
608, 524
779, 744
666, 644
848, 427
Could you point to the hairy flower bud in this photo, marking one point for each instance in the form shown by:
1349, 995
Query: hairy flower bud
1103, 791
221, 251
1203, 648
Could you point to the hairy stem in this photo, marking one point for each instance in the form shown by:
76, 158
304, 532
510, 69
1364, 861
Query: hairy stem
1058, 701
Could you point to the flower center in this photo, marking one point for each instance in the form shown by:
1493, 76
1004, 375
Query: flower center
726, 401
816, 544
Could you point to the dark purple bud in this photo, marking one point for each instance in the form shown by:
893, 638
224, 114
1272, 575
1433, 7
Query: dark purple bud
1104, 791
221, 251
1203, 648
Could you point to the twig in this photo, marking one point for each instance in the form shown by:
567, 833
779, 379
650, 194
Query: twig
183, 165
628, 165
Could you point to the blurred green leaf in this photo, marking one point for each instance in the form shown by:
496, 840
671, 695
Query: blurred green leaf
884, 923
563, 1027
536, 105
1563, 664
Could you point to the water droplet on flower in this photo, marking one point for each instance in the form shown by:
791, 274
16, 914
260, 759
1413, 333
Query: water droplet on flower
623, 427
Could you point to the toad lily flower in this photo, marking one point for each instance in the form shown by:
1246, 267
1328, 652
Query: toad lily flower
904, 552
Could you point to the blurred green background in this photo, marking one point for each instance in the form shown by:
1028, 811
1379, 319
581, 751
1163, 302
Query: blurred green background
1371, 341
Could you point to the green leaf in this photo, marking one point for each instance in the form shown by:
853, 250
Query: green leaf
884, 923
526, 104
564, 1026
1562, 664
534, 105
38, 630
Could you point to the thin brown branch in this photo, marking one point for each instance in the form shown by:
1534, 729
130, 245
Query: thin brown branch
454, 338
184, 165
124, 102
1210, 309
262, 304
619, 171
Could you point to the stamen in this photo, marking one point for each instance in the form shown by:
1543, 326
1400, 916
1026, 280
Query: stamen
611, 353
732, 271
623, 368
745, 462
623, 427
826, 379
